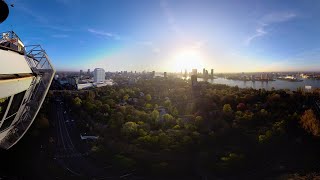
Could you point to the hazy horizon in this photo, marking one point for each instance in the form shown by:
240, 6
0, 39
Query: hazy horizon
198, 70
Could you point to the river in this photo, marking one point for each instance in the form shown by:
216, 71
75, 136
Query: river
277, 84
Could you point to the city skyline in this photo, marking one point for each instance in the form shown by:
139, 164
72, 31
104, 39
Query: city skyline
172, 36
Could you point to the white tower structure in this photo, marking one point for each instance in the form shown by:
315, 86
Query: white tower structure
99, 75
25, 77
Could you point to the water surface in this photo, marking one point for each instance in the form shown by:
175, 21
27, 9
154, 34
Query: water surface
277, 84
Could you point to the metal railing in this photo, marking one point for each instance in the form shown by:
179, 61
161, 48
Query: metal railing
10, 40
40, 65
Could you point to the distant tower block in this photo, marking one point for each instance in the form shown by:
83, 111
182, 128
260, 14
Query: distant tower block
88, 71
194, 80
194, 72
165, 74
99, 75
212, 71
203, 71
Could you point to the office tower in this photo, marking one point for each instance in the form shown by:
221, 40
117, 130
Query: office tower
212, 72
194, 72
88, 72
165, 74
99, 75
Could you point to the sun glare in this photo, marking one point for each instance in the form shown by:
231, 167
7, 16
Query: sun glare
188, 59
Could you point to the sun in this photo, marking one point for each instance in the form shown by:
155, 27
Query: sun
188, 60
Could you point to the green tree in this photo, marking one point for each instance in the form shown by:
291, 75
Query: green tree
155, 115
126, 97
105, 108
310, 123
167, 103
199, 121
169, 121
174, 111
91, 95
227, 108
148, 106
164, 140
121, 161
77, 101
121, 91
148, 97
168, 117
129, 129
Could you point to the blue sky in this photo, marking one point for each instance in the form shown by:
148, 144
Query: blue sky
167, 35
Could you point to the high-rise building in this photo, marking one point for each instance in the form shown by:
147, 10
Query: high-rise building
165, 74
99, 75
153, 74
88, 72
212, 72
185, 73
194, 72
203, 71
81, 72
194, 80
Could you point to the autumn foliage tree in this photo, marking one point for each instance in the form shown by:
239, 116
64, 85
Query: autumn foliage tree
310, 123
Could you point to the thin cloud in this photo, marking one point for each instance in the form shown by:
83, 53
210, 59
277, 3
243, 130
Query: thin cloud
103, 34
57, 27
151, 45
60, 36
260, 31
170, 18
278, 17
145, 43
21, 7
268, 20
43, 22
156, 50
200, 44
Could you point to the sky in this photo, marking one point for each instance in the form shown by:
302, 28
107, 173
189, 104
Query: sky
172, 35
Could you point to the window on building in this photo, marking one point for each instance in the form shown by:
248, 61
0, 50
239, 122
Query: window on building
3, 106
16, 102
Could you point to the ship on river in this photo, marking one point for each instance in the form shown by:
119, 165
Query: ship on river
290, 78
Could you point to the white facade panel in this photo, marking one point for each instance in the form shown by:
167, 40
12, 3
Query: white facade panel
13, 86
13, 63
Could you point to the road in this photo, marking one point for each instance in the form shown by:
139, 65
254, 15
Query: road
69, 150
